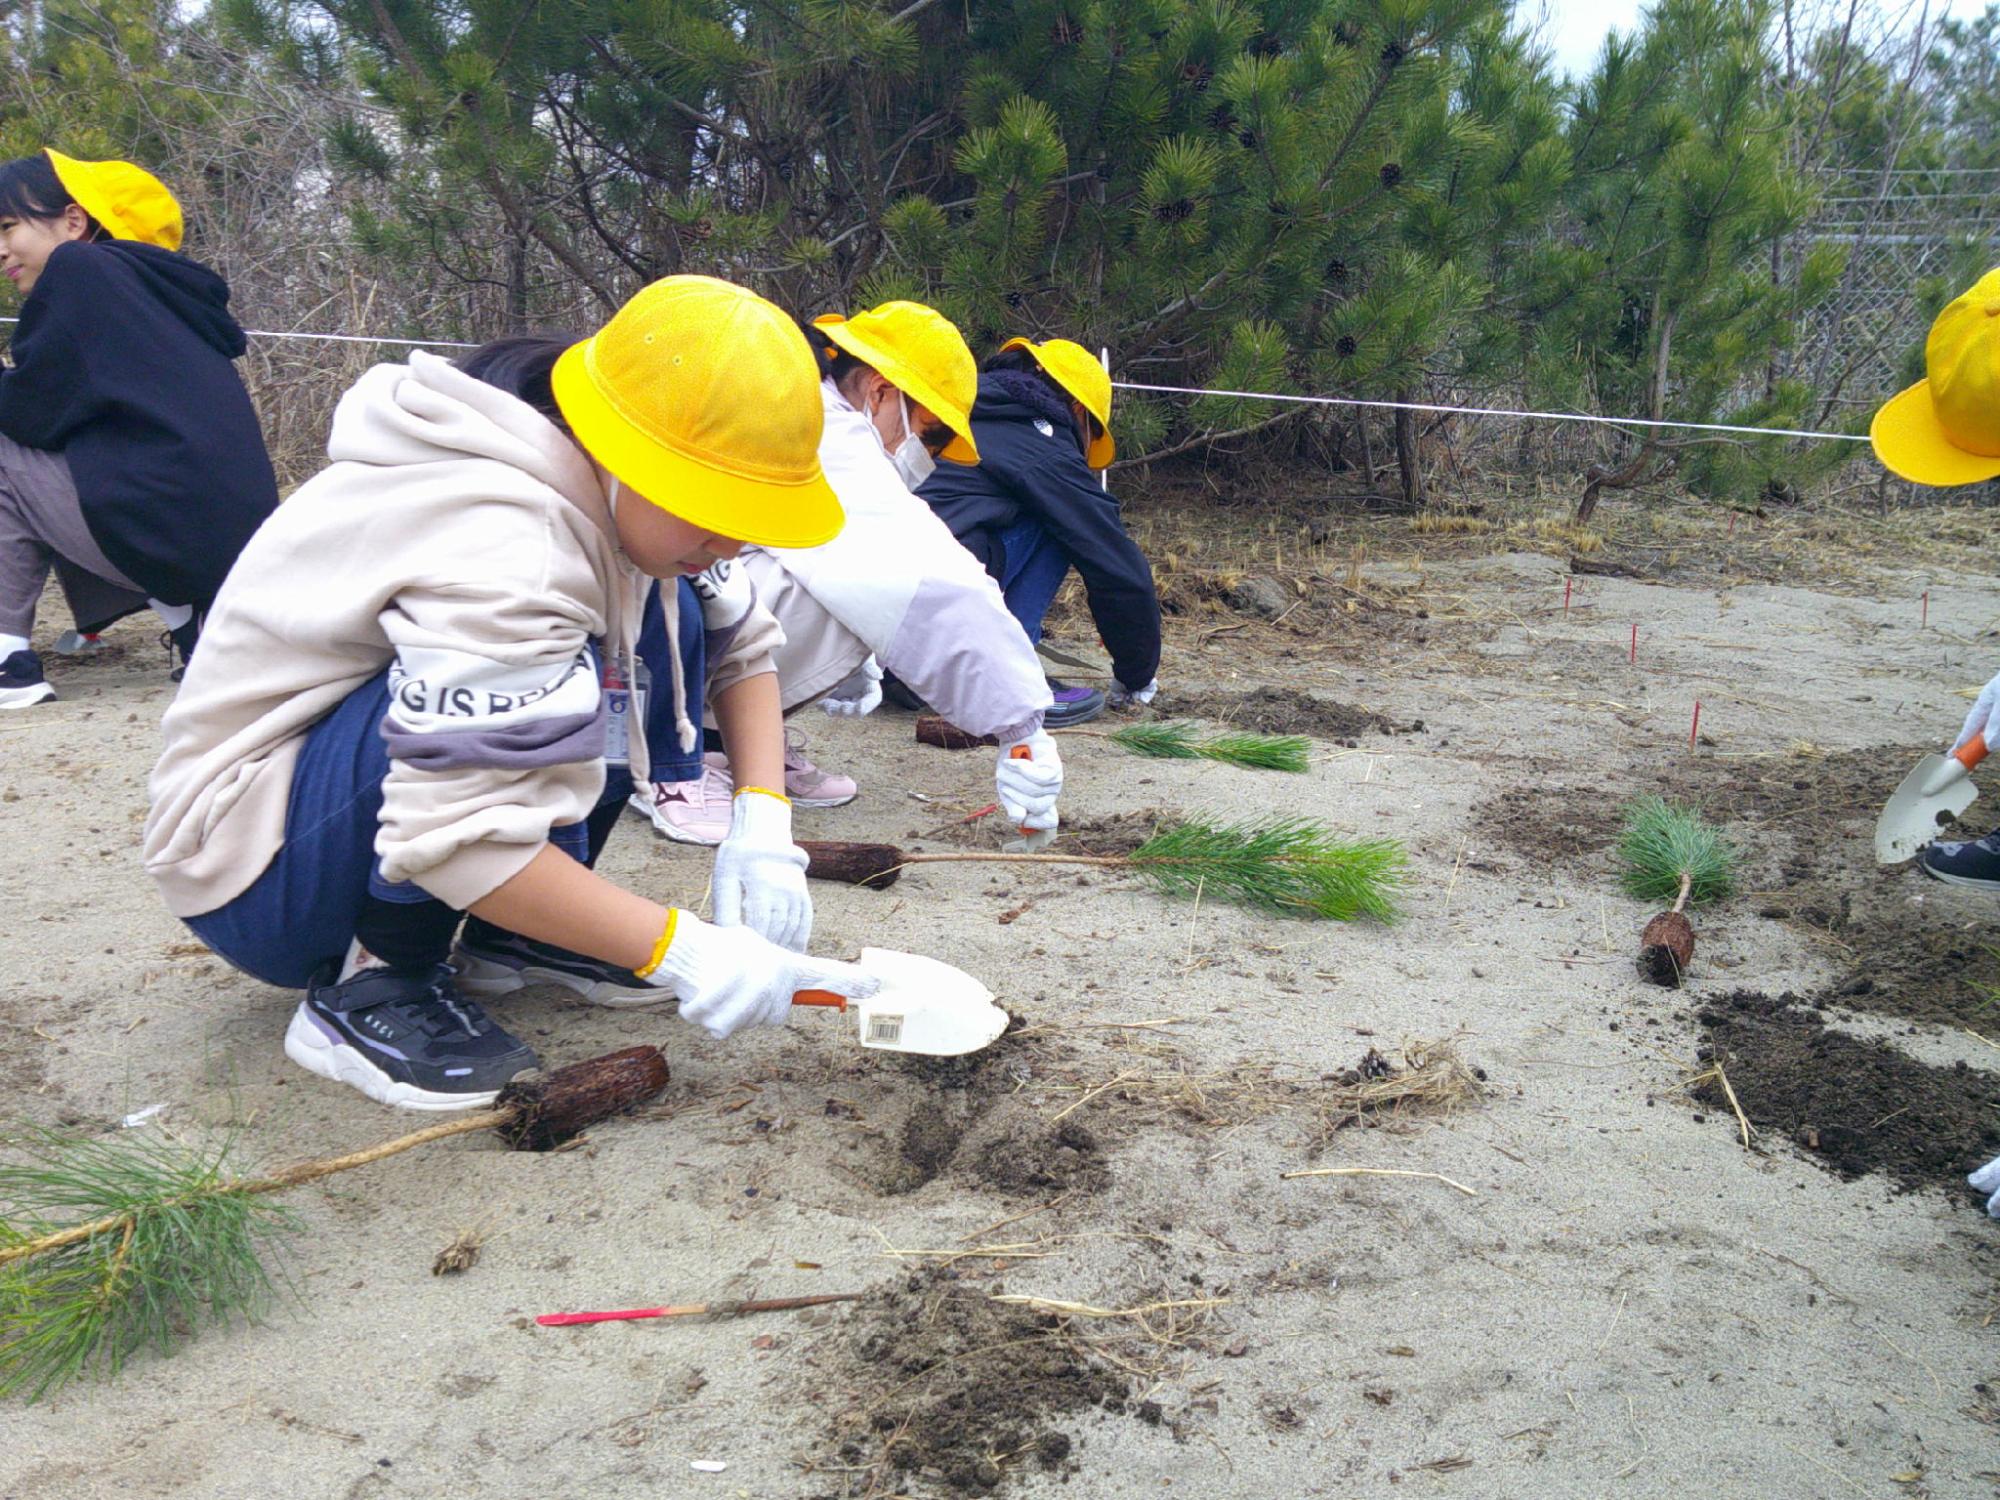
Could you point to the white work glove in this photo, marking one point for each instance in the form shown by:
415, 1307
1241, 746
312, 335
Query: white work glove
729, 977
1984, 718
856, 694
1987, 1180
1124, 697
725, 592
1029, 785
760, 874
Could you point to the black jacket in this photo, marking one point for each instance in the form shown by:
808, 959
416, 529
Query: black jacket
122, 362
1031, 468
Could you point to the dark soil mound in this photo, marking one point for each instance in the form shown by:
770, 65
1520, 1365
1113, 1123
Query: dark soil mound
1278, 710
1028, 1158
959, 1391
1120, 833
1853, 1106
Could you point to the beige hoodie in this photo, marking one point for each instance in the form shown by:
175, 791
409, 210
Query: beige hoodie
465, 543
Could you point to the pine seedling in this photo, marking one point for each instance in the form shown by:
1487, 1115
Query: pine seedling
1176, 741
1669, 853
174, 1244
1291, 866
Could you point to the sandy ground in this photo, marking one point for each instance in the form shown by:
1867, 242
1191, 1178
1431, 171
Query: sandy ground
1632, 1304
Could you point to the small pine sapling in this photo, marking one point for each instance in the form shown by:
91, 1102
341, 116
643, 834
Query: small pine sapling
1669, 852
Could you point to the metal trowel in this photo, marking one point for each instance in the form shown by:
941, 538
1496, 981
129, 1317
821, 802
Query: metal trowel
1936, 792
924, 1006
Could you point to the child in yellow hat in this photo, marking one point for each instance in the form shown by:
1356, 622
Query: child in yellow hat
130, 456
893, 590
415, 696
1945, 430
1035, 507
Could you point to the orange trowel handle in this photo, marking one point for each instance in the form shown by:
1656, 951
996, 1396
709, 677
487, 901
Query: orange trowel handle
1971, 753
820, 997
1022, 752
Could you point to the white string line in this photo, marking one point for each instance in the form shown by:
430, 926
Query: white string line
1493, 411
1191, 390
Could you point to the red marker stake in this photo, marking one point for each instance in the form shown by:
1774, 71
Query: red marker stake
1567, 583
1927, 609
1732, 523
1695, 728
1635, 643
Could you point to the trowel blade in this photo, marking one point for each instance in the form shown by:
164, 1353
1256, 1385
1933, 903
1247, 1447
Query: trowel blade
925, 1006
1931, 796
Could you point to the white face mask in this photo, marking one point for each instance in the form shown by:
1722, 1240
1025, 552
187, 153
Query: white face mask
912, 459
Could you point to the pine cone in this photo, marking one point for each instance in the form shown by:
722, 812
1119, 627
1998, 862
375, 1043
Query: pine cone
1392, 174
1175, 212
1336, 271
1196, 75
1345, 346
1393, 54
1222, 117
1247, 140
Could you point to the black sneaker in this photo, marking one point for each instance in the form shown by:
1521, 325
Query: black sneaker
180, 642
1073, 706
1975, 862
492, 962
21, 682
898, 693
404, 1037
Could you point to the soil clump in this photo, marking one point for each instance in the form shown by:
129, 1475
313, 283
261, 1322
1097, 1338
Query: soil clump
1119, 833
958, 1391
1853, 1106
1282, 710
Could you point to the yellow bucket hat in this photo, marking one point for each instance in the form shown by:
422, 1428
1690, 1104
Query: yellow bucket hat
130, 202
920, 352
1945, 429
1078, 371
704, 398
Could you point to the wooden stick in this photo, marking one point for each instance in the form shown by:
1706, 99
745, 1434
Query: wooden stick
1377, 1172
697, 1309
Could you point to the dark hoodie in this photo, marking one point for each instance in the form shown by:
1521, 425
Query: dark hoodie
1031, 468
122, 362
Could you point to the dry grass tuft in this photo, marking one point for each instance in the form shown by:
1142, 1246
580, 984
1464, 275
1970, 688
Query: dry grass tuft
1433, 1079
1446, 523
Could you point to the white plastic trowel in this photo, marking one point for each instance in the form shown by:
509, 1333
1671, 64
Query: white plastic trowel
1931, 796
924, 1006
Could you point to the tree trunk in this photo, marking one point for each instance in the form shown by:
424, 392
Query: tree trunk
1408, 460
1367, 448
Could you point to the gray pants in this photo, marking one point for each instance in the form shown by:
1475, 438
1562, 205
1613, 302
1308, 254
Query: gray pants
42, 526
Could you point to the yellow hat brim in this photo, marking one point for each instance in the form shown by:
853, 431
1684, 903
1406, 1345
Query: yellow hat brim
81, 183
1912, 443
760, 512
961, 449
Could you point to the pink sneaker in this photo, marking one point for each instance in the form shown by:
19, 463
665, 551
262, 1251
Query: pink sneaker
806, 784
690, 812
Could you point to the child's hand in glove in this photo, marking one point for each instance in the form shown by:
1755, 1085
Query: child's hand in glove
729, 977
1987, 1180
858, 693
1030, 784
1984, 718
760, 874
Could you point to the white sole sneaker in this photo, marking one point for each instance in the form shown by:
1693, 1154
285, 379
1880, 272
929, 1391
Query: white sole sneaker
642, 804
316, 1052
823, 801
484, 979
26, 697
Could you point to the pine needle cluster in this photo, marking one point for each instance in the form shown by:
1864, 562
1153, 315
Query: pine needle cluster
1177, 741
181, 1247
1661, 843
1291, 866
